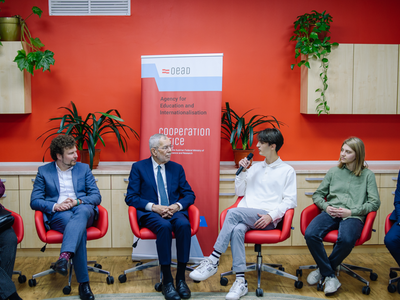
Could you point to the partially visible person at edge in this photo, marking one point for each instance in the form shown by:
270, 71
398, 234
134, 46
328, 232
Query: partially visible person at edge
345, 196
8, 250
66, 192
392, 238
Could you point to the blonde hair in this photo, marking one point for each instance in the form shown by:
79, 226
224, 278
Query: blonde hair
357, 146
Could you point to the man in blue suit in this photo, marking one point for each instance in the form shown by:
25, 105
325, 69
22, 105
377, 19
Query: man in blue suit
67, 194
392, 238
159, 191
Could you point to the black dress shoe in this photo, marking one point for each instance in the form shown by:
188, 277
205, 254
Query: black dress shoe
85, 293
182, 289
61, 266
169, 292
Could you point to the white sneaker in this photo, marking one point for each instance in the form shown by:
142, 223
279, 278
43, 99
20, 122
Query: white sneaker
332, 284
314, 277
238, 289
204, 270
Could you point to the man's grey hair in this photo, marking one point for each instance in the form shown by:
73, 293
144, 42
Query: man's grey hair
154, 140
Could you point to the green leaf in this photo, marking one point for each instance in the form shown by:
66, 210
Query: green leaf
2, 1
292, 66
36, 42
37, 11
307, 64
45, 60
325, 60
313, 35
22, 61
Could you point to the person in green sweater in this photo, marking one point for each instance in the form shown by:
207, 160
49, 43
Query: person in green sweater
345, 196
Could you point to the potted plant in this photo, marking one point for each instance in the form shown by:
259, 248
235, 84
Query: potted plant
241, 134
310, 33
35, 59
90, 131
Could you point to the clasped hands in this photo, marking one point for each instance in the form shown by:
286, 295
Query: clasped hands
338, 212
65, 205
165, 211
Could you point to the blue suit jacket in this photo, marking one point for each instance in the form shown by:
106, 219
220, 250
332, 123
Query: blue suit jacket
142, 187
395, 216
46, 188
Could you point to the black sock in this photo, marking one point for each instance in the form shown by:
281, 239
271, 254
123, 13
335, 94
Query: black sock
14, 296
166, 271
180, 273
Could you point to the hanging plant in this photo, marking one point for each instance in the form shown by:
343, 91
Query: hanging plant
310, 33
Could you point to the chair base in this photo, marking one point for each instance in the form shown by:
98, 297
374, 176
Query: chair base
67, 289
349, 269
276, 269
154, 263
393, 279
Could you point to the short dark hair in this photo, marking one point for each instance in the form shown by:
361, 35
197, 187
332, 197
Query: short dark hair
271, 136
60, 143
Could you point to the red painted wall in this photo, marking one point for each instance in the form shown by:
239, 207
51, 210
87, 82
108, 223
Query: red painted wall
98, 67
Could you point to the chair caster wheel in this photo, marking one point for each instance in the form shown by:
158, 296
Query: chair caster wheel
110, 280
373, 276
122, 278
224, 281
158, 286
32, 282
196, 281
259, 292
139, 263
393, 274
98, 266
299, 272
298, 284
366, 290
391, 288
281, 269
21, 278
319, 287
67, 290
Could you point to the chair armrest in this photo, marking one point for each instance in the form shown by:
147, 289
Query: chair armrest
287, 224
307, 215
194, 218
102, 222
18, 225
224, 212
40, 228
367, 229
388, 223
134, 221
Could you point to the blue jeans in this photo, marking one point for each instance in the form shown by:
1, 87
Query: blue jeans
392, 242
349, 232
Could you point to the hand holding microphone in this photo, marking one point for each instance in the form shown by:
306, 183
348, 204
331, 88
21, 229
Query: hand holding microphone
244, 164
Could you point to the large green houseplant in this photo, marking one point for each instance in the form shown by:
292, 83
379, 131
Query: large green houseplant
310, 34
90, 130
240, 133
35, 58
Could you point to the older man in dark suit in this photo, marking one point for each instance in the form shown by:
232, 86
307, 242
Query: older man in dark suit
159, 191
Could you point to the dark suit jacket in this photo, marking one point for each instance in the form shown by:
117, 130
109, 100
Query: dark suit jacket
142, 187
395, 216
46, 188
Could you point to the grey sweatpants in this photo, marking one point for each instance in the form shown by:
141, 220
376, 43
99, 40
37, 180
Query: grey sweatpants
237, 222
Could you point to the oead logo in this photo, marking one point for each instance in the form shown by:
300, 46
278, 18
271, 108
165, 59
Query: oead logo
176, 71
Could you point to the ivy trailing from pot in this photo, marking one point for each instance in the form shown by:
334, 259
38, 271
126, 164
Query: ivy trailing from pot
310, 33
31, 58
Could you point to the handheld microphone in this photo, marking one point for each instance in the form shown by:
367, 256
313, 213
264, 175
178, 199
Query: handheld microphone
249, 157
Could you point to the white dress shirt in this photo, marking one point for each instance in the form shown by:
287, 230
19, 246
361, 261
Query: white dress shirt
271, 187
66, 185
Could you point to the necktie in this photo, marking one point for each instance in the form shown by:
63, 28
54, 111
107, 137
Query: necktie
161, 188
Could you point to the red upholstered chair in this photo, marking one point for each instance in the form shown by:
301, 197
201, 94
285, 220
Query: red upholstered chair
147, 234
18, 227
393, 275
308, 214
259, 237
96, 231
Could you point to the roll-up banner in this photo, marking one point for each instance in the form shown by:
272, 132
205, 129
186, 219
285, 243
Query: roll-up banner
181, 98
